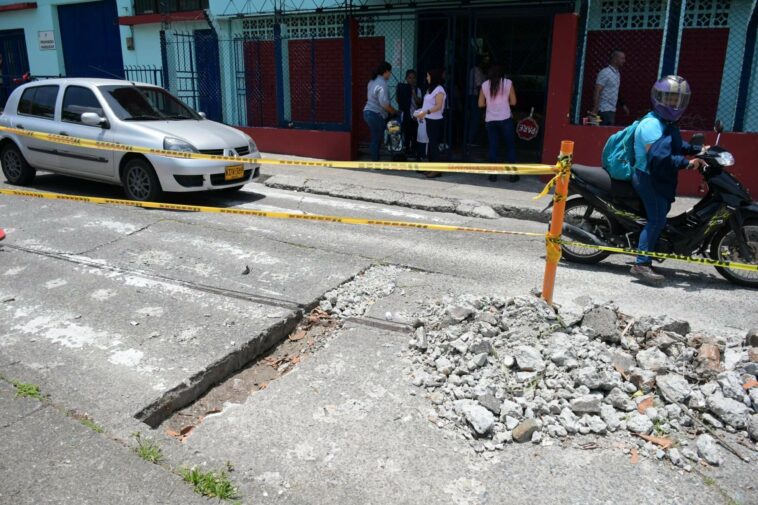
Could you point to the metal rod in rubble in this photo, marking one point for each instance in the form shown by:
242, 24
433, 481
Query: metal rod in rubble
552, 244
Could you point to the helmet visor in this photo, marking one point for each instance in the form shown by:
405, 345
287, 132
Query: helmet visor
676, 100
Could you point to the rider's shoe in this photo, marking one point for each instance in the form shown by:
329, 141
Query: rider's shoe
646, 274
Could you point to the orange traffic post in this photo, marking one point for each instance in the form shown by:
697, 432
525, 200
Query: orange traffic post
552, 241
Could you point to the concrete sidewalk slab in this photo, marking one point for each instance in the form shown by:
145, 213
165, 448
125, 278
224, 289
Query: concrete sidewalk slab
137, 342
52, 459
345, 428
469, 195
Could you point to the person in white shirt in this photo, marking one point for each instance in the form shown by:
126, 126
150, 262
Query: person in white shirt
607, 87
432, 113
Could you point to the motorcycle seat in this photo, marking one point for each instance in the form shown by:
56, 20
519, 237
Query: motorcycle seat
600, 178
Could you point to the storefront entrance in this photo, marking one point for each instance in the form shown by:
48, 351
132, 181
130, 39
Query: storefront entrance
517, 37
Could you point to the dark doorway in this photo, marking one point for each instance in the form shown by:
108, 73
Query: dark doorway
208, 74
519, 39
91, 40
14, 61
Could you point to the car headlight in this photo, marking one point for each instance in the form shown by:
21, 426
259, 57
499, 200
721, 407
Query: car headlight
173, 144
251, 144
725, 159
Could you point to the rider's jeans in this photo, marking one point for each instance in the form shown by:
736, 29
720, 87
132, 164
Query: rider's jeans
656, 207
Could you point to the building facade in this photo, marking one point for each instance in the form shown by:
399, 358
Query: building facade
295, 71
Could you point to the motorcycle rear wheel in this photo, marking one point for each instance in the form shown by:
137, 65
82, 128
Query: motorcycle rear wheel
724, 248
598, 224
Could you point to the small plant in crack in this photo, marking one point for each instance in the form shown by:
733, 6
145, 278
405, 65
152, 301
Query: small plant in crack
211, 484
24, 390
147, 449
92, 425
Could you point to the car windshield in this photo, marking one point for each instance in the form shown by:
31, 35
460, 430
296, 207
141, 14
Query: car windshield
146, 103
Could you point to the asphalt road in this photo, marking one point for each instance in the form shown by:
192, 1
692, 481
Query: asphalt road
112, 309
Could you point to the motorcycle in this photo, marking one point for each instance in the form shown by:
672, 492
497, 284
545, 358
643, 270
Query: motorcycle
722, 226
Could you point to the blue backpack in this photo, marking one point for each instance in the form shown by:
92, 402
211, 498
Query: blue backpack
618, 153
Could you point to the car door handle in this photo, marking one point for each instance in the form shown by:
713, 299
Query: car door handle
19, 127
63, 134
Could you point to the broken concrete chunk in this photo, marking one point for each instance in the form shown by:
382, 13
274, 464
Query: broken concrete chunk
653, 359
673, 387
602, 322
643, 379
528, 359
524, 431
587, 404
460, 313
639, 423
479, 418
730, 411
709, 450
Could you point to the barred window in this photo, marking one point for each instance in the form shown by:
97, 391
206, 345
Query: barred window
260, 28
316, 26
631, 14
706, 14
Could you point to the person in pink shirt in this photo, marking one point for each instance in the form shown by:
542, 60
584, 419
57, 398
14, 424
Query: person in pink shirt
497, 96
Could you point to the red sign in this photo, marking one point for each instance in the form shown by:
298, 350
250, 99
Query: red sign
527, 128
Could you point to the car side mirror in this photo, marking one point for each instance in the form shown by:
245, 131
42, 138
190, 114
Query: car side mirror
718, 127
93, 119
202, 115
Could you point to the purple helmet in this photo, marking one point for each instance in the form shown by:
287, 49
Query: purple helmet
670, 97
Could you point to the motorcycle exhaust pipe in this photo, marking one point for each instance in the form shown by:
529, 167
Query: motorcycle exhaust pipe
580, 235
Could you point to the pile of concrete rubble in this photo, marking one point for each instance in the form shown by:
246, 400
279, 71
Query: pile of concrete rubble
516, 370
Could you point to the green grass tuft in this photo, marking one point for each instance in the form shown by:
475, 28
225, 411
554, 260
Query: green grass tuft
92, 425
211, 484
148, 449
24, 390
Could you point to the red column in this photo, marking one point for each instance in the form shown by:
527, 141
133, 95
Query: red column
560, 88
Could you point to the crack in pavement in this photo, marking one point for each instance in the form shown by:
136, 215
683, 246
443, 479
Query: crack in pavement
118, 239
37, 408
229, 293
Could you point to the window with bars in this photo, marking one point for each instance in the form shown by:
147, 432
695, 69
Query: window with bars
706, 14
632, 14
258, 28
318, 26
167, 6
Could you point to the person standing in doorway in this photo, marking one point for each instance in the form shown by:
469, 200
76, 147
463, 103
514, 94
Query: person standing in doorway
476, 77
432, 113
607, 87
409, 99
378, 106
498, 96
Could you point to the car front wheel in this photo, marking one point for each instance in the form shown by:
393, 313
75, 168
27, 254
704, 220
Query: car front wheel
140, 181
15, 167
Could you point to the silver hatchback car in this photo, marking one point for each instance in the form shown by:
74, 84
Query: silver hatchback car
125, 113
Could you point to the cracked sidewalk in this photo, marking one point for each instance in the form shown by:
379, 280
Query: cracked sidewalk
469, 195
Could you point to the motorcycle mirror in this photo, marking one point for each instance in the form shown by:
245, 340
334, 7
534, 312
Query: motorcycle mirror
718, 127
698, 139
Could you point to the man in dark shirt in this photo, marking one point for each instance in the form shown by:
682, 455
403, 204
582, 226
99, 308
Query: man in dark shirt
408, 100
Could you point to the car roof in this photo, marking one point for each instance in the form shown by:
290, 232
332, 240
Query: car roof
92, 81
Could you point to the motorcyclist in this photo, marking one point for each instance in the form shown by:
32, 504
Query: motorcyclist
659, 155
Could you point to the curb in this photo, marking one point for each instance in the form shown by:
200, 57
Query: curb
418, 201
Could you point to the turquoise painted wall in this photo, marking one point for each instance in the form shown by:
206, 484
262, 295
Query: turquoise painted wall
45, 18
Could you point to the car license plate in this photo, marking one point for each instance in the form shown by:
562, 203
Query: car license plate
233, 172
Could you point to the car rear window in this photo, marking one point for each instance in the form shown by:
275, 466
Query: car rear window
39, 101
78, 100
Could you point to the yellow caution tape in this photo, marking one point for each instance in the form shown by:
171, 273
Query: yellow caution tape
663, 256
261, 213
552, 241
562, 169
478, 168
553, 246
